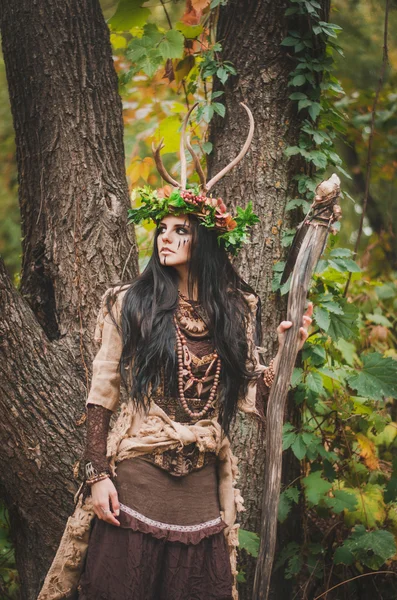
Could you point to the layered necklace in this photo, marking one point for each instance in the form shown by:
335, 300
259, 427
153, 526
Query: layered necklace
186, 377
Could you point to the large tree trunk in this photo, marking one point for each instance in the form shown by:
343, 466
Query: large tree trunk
250, 32
73, 198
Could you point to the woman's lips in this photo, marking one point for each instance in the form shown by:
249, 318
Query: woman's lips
166, 251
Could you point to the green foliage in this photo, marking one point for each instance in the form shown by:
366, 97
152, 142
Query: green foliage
313, 43
370, 548
287, 498
9, 582
248, 541
346, 383
377, 378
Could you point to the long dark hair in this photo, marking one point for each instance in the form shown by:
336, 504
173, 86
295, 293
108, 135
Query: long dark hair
148, 330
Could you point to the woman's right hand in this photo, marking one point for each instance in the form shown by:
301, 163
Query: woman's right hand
103, 493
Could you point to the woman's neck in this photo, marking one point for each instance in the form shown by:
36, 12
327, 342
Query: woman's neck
183, 283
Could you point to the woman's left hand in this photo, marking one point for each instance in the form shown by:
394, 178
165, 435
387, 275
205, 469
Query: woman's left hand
284, 325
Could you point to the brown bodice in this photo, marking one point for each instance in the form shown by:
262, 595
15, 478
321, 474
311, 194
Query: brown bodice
192, 321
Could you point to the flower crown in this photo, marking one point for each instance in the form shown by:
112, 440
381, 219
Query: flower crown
190, 199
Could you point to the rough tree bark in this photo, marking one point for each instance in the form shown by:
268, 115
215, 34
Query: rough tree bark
250, 32
73, 199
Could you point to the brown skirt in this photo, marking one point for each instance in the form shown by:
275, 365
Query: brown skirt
170, 544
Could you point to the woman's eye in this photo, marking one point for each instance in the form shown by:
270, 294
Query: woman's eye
161, 229
182, 230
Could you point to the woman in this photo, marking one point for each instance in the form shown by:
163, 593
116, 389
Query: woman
183, 337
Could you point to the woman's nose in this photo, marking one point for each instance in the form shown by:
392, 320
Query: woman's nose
167, 237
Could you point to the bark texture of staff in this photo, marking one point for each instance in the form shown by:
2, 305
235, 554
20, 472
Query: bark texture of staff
73, 198
310, 249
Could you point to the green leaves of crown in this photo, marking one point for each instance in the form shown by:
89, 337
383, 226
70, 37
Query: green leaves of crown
154, 208
234, 239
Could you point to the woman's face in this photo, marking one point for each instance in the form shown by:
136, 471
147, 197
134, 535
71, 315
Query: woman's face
174, 240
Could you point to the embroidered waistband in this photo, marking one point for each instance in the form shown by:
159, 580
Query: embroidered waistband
169, 526
179, 462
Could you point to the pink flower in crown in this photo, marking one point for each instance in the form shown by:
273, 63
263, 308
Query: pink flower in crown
221, 205
211, 202
224, 220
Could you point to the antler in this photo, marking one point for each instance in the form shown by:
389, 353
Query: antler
160, 167
182, 147
197, 164
240, 156
186, 142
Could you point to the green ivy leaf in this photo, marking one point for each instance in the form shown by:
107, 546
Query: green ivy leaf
287, 497
289, 435
345, 325
219, 108
379, 320
343, 556
341, 501
222, 74
298, 447
249, 541
189, 31
315, 353
298, 80
315, 487
344, 264
322, 318
240, 577
298, 96
287, 237
292, 150
348, 351
208, 113
370, 548
289, 41
284, 507
293, 494
314, 382
291, 204
377, 378
319, 159
314, 110
333, 307
129, 14
150, 62
304, 103
172, 44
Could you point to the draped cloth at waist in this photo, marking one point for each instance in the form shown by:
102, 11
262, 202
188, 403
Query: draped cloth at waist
184, 509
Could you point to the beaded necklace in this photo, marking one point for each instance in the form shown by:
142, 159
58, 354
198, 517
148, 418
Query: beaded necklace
185, 371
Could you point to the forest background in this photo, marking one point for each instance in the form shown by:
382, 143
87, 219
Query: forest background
343, 436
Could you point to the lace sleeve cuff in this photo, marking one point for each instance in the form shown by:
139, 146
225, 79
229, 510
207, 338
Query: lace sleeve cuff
98, 418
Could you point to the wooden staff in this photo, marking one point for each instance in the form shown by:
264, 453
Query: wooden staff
307, 247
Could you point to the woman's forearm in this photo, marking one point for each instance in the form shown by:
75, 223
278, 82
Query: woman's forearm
98, 418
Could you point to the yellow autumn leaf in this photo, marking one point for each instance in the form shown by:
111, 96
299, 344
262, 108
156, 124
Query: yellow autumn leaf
169, 130
371, 508
139, 169
146, 166
368, 452
385, 437
183, 67
118, 41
